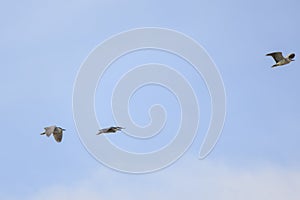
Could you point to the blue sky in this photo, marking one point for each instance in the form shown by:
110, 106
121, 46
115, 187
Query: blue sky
43, 44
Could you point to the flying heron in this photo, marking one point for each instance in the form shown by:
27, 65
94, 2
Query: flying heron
280, 60
56, 131
112, 129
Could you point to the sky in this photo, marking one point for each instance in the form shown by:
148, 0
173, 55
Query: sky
43, 45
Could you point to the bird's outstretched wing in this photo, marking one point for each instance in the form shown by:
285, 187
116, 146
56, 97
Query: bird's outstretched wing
49, 130
104, 130
57, 137
277, 56
57, 134
110, 130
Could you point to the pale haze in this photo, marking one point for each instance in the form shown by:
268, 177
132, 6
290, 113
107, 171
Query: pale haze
44, 43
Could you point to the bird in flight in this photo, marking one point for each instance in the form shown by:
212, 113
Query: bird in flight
112, 129
280, 60
56, 131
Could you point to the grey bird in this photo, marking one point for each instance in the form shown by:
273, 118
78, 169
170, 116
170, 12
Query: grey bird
280, 60
56, 131
112, 129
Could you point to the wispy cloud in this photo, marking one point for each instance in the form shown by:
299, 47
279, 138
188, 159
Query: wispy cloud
191, 179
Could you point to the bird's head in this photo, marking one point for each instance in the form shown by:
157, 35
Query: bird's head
61, 128
291, 57
119, 128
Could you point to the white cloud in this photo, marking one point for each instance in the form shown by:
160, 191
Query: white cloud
188, 179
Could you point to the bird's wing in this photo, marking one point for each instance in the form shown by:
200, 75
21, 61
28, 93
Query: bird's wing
276, 55
104, 130
49, 130
58, 136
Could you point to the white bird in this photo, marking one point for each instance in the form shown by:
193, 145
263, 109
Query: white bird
280, 60
110, 130
56, 131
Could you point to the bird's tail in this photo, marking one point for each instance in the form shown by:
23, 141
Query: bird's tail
48, 135
275, 65
100, 132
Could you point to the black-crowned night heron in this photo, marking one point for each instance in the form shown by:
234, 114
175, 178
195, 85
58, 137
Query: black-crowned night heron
56, 131
112, 129
280, 60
